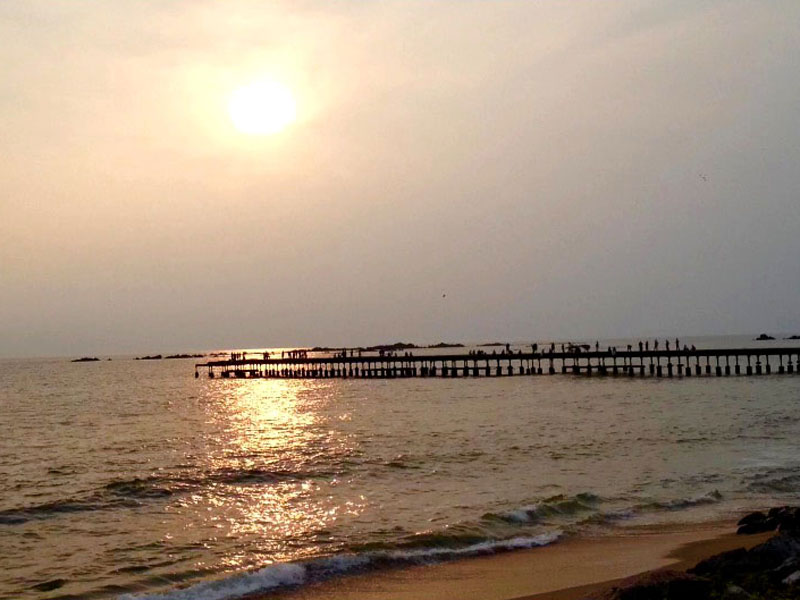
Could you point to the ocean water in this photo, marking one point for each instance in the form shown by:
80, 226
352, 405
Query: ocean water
131, 478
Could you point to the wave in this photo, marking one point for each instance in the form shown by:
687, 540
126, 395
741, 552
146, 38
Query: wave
18, 516
781, 480
128, 493
552, 507
682, 503
528, 526
295, 574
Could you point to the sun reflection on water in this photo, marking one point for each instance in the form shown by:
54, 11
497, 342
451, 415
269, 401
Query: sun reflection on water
276, 464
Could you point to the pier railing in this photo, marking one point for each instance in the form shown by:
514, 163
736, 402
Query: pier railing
657, 363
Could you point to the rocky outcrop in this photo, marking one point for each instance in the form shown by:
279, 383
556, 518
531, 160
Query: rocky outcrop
768, 570
782, 518
659, 585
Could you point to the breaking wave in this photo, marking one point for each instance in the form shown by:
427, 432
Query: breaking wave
295, 574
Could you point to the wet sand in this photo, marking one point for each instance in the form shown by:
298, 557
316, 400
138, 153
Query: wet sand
566, 570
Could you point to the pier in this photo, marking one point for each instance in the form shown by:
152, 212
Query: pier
722, 362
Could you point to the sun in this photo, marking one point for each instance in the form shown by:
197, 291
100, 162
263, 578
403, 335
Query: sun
262, 108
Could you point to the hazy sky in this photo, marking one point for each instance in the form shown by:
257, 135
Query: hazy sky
571, 169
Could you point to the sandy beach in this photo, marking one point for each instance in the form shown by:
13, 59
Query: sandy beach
567, 570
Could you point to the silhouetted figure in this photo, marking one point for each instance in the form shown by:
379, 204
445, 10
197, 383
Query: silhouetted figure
597, 346
677, 344
508, 348
647, 345
640, 346
655, 345
534, 348
667, 344
630, 347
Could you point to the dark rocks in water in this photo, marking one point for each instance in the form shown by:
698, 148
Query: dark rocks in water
764, 337
390, 347
445, 345
378, 348
153, 357
781, 518
792, 337
86, 359
659, 585
492, 344
184, 356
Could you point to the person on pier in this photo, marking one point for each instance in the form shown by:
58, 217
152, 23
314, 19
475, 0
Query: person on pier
640, 345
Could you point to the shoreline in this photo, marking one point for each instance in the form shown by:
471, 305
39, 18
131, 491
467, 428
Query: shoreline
565, 570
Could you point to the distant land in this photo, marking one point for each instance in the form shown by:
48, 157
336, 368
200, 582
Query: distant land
159, 356
85, 359
387, 347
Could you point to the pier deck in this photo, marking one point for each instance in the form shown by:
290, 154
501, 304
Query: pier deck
658, 363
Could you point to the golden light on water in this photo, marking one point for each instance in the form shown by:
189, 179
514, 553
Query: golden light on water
274, 427
262, 108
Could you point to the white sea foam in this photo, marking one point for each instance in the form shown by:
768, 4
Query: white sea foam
282, 575
233, 587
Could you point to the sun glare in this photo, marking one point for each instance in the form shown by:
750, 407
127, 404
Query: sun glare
262, 108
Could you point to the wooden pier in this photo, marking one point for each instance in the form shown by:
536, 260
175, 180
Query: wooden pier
655, 363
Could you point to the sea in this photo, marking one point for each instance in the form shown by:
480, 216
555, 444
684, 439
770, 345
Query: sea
131, 479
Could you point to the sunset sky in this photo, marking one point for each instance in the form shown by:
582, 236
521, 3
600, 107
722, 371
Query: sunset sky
453, 170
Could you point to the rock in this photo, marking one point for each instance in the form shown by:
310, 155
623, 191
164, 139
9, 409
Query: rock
758, 527
734, 592
764, 337
774, 512
753, 517
775, 552
791, 579
787, 568
658, 585
721, 565
780, 518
